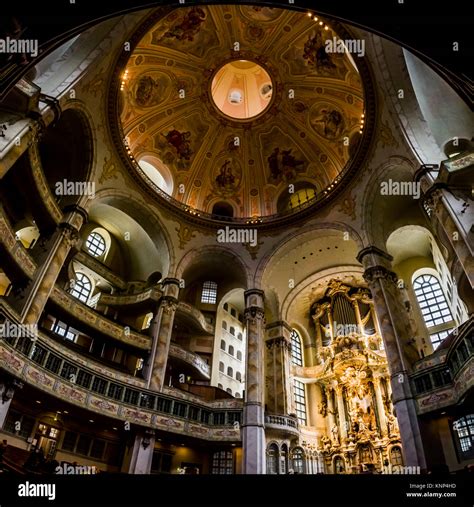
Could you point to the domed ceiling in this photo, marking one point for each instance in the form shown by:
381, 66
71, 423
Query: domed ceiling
232, 104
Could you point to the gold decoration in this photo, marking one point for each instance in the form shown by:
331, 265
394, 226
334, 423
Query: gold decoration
185, 234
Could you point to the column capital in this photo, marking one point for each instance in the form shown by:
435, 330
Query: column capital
70, 233
372, 255
169, 304
254, 313
75, 208
379, 272
254, 297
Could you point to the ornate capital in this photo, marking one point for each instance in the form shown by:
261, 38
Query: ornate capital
70, 234
379, 272
254, 313
169, 304
278, 342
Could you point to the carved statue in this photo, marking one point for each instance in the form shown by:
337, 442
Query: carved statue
391, 424
335, 434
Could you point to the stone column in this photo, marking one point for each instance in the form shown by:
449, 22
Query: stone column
397, 339
442, 219
253, 432
380, 408
278, 398
65, 238
7, 391
342, 414
142, 453
161, 329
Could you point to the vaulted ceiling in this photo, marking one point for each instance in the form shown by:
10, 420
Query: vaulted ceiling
311, 105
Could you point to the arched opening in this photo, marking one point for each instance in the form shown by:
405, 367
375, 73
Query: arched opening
223, 209
272, 459
296, 196
157, 172
66, 157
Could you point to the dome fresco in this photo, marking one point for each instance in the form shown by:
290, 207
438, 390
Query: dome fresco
241, 105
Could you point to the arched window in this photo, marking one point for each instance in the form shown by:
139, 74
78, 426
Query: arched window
238, 376
299, 388
232, 330
82, 288
298, 460
230, 371
396, 458
239, 336
209, 293
283, 459
221, 367
237, 395
95, 244
239, 355
272, 459
229, 390
226, 307
231, 350
233, 312
224, 325
434, 307
222, 344
220, 386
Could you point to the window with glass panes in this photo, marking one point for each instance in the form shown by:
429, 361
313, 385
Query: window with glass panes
82, 288
396, 456
464, 427
299, 388
433, 305
209, 293
95, 244
222, 463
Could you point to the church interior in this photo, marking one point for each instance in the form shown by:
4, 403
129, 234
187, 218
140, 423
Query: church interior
235, 239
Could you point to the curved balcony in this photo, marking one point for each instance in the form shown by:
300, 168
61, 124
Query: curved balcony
283, 424
101, 270
152, 294
93, 320
199, 366
12, 250
49, 212
194, 318
443, 378
110, 398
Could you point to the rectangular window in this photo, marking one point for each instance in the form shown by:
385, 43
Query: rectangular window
84, 379
131, 396
222, 463
219, 418
39, 354
179, 409
83, 445
300, 402
209, 293
69, 441
115, 391
163, 405
97, 449
99, 385
68, 371
53, 363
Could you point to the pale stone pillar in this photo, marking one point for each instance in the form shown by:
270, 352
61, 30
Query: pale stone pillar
279, 396
161, 329
342, 414
397, 337
142, 453
380, 408
7, 391
65, 238
253, 427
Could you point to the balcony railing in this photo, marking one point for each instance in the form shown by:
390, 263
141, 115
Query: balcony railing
91, 318
284, 423
195, 315
37, 365
192, 359
444, 377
